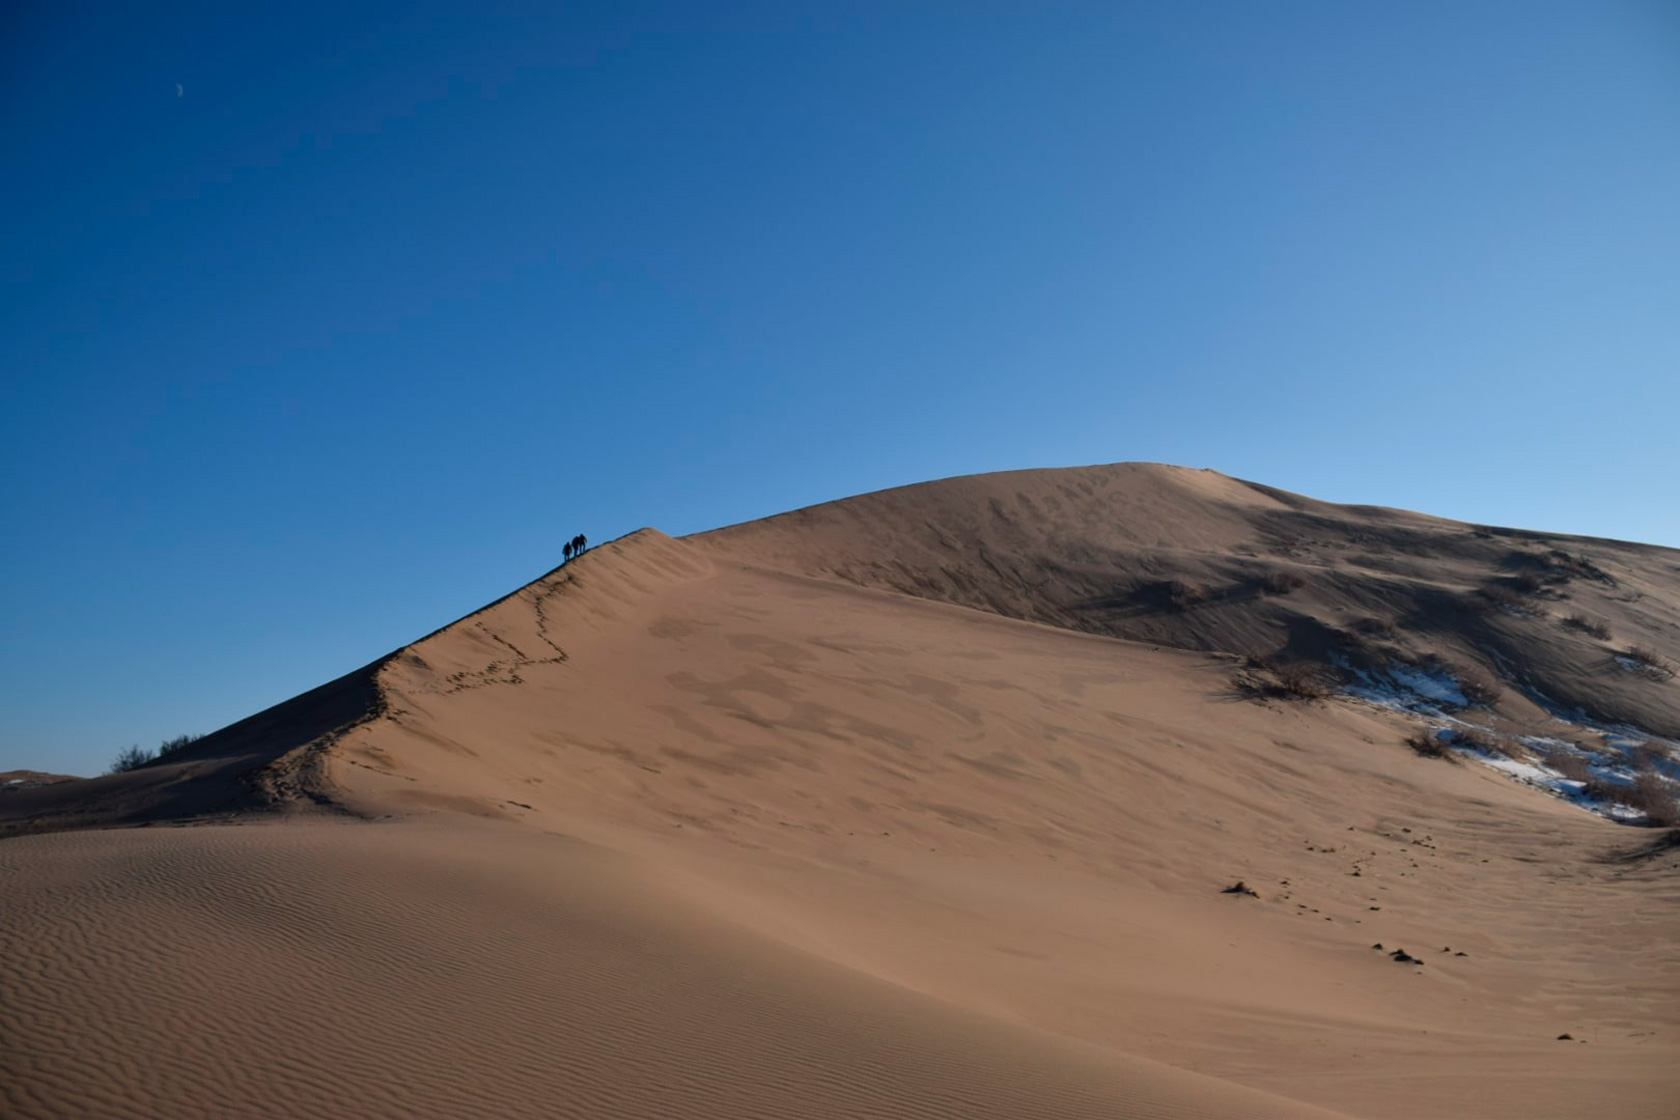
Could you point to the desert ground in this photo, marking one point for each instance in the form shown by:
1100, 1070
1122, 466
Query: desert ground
1125, 791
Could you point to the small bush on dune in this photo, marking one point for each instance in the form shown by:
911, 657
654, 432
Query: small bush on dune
1430, 745
1601, 790
1486, 742
1654, 797
1281, 583
1650, 660
1299, 681
131, 758
1498, 595
1478, 687
179, 743
1644, 758
1593, 627
1569, 764
1181, 596
1275, 680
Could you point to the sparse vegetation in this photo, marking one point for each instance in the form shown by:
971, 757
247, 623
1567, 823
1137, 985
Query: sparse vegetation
1485, 741
1266, 679
1181, 596
1650, 661
1480, 689
133, 758
1298, 680
1281, 583
172, 746
1503, 597
1569, 764
1555, 566
1592, 627
1430, 745
1654, 797
1645, 757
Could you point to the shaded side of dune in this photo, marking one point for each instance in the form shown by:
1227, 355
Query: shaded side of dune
1197, 560
262, 762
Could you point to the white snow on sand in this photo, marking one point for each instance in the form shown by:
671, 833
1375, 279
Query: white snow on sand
1436, 696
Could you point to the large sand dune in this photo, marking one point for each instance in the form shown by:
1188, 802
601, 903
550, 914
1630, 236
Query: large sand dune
874, 810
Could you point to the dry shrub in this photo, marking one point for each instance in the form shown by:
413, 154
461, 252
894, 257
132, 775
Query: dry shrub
1181, 596
1501, 596
1486, 742
1654, 797
1429, 745
1302, 682
1555, 566
1296, 680
1374, 627
1644, 757
176, 745
1593, 627
1650, 660
1478, 687
1281, 583
131, 758
1569, 764
1603, 790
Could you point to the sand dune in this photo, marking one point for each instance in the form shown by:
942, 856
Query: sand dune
814, 816
453, 971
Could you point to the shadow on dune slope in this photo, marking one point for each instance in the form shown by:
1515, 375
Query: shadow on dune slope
1197, 560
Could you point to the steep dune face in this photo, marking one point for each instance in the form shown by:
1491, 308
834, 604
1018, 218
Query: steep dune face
1197, 560
721, 827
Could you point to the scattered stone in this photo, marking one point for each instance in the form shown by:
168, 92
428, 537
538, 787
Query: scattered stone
1240, 887
1461, 953
1566, 1037
1400, 956
1378, 945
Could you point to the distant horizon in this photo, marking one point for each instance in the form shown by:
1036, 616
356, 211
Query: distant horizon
327, 321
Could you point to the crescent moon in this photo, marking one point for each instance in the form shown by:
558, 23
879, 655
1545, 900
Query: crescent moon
179, 92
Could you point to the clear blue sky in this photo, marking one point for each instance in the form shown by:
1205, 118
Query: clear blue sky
348, 337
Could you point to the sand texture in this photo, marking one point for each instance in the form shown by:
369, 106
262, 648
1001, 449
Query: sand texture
920, 804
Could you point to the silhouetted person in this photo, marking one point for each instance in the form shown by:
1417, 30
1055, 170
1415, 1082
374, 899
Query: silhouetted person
583, 543
568, 550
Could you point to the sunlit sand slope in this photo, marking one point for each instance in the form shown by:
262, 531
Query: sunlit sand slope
335, 970
703, 828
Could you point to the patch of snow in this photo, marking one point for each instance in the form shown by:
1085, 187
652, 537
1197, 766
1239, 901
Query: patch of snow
1435, 695
1525, 772
1536, 774
1406, 688
1437, 686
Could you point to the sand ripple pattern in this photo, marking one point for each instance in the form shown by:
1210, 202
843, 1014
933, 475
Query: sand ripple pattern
419, 970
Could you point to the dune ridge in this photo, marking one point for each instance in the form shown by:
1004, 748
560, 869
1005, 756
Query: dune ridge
737, 825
